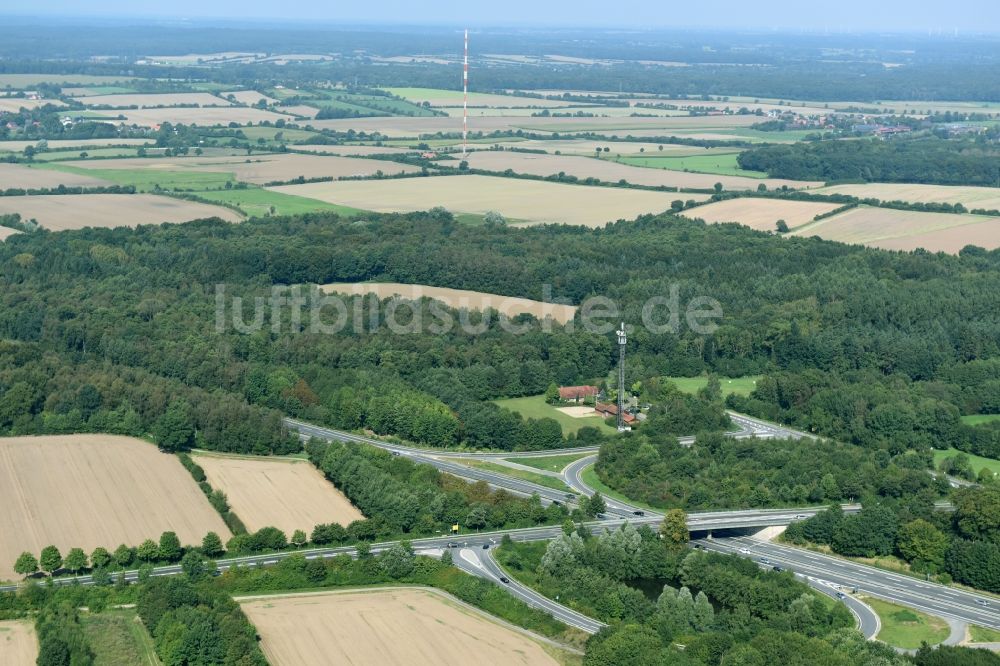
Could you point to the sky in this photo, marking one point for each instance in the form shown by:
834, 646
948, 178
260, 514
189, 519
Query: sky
859, 15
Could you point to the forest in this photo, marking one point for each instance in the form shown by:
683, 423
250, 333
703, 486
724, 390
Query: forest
675, 606
104, 329
918, 160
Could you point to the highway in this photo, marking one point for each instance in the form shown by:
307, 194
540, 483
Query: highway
926, 596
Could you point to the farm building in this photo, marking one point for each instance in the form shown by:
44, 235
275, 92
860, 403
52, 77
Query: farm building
577, 393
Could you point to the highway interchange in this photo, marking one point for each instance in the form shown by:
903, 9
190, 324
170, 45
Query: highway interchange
711, 531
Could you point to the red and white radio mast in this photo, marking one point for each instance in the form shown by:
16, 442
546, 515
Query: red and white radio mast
465, 97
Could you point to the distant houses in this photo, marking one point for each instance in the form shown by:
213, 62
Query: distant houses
606, 410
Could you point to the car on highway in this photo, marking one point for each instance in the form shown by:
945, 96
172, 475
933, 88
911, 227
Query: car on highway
486, 546
505, 580
570, 496
777, 568
764, 560
600, 516
745, 551
982, 602
453, 544
841, 595
638, 513
801, 516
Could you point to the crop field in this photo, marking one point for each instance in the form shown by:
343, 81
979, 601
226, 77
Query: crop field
144, 100
55, 144
439, 97
589, 147
13, 104
258, 169
204, 116
145, 180
18, 644
458, 298
907, 230
29, 80
7, 232
529, 200
417, 627
287, 494
349, 150
94, 490
611, 171
719, 163
21, 176
761, 214
259, 202
970, 197
247, 96
76, 211
535, 407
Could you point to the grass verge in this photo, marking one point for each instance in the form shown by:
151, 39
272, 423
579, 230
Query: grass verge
553, 463
983, 635
524, 475
907, 628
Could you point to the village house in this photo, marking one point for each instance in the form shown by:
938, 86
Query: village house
577, 393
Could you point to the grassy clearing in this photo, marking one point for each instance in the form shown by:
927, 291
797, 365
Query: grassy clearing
979, 419
535, 407
723, 164
269, 133
737, 385
906, 628
554, 463
91, 152
983, 635
524, 475
258, 202
976, 462
119, 638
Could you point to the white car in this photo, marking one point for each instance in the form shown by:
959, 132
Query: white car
745, 551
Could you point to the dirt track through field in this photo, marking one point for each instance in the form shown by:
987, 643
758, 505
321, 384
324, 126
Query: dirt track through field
458, 298
94, 490
411, 627
18, 644
287, 494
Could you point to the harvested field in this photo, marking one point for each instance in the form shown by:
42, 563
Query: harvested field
907, 230
608, 171
14, 104
528, 200
76, 211
258, 169
7, 232
21, 176
145, 100
761, 214
287, 494
303, 110
589, 147
94, 490
454, 98
350, 150
415, 627
199, 116
407, 126
970, 197
54, 144
18, 644
247, 97
458, 298
29, 80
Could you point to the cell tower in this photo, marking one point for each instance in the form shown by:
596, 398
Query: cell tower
621, 378
465, 97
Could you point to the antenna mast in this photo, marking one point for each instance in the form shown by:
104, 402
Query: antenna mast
465, 97
621, 378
